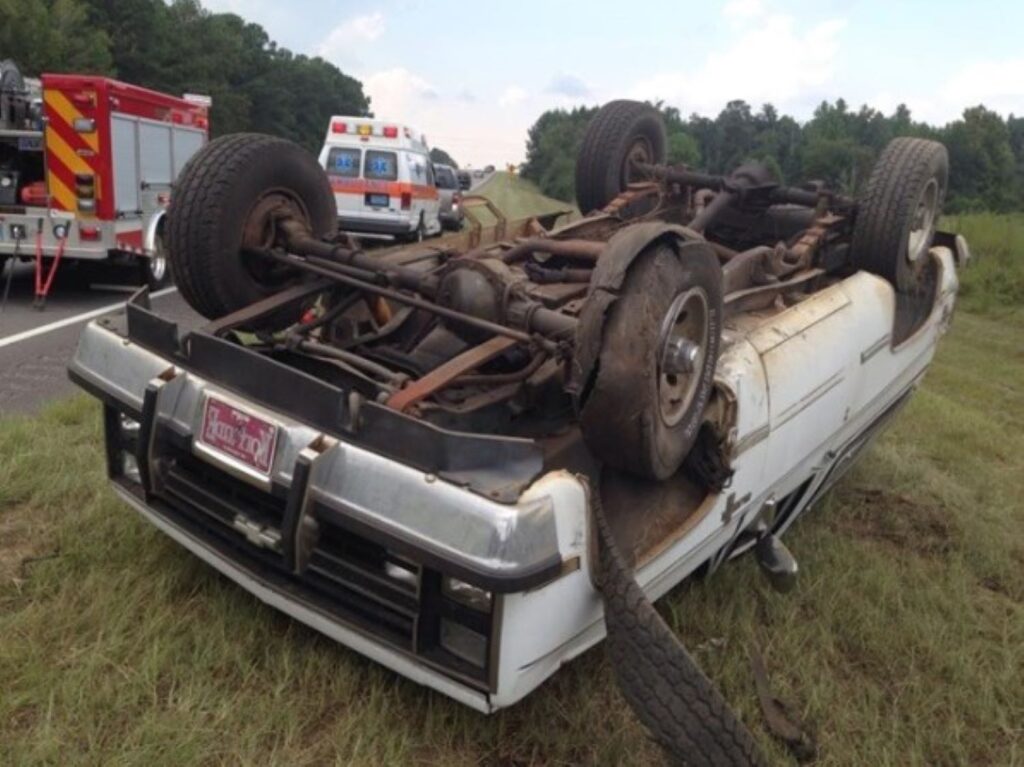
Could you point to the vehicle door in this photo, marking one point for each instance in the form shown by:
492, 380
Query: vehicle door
343, 165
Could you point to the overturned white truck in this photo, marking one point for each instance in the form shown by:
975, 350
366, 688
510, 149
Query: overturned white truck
470, 460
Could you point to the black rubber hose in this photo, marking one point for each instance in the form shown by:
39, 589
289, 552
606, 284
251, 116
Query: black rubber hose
681, 708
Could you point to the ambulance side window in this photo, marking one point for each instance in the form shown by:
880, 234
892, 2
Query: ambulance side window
343, 162
382, 166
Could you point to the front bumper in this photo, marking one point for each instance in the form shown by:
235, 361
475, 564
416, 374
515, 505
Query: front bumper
357, 545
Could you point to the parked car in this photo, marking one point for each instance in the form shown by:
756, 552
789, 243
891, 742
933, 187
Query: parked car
472, 463
465, 180
382, 178
451, 196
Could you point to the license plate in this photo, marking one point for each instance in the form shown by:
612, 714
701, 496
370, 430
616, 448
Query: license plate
378, 200
239, 434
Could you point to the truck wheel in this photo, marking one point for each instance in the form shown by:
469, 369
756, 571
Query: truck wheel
899, 209
225, 202
659, 348
156, 270
620, 133
677, 703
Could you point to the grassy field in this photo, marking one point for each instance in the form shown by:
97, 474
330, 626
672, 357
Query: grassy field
902, 645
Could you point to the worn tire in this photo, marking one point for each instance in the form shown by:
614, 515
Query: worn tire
677, 703
612, 136
211, 203
622, 415
907, 172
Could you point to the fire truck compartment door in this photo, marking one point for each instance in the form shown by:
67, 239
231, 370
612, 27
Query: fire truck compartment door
124, 136
187, 141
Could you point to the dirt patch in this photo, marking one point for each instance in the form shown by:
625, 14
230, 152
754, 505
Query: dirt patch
919, 525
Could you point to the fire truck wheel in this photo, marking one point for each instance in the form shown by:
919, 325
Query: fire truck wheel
225, 204
659, 348
899, 209
621, 133
156, 272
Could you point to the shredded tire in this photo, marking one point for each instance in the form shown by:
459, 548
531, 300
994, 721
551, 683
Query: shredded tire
680, 707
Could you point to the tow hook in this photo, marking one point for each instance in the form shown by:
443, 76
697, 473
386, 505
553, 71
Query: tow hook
776, 562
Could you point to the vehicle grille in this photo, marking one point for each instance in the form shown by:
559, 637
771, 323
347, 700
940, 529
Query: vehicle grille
355, 579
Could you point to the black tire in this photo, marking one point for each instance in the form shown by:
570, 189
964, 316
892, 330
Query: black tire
677, 703
218, 197
619, 131
909, 177
11, 80
623, 418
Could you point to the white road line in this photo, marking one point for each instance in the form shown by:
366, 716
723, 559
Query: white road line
85, 316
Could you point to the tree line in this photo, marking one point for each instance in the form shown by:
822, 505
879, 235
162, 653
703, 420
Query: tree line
838, 145
180, 47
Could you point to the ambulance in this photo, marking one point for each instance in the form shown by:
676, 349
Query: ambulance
382, 178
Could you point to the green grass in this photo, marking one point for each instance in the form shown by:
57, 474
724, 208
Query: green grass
903, 644
995, 282
519, 198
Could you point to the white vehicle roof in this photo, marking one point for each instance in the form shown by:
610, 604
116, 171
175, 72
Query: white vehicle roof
350, 130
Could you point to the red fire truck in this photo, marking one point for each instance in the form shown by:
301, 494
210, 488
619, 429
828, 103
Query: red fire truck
86, 167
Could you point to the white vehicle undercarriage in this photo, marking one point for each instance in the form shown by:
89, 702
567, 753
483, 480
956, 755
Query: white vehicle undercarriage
471, 460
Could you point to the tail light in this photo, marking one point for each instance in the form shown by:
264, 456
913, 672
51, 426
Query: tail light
85, 189
339, 127
456, 198
88, 233
390, 131
406, 200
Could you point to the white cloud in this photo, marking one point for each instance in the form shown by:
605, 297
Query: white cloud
512, 95
999, 85
743, 10
793, 76
344, 41
395, 92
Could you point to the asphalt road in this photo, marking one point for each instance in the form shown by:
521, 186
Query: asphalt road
35, 346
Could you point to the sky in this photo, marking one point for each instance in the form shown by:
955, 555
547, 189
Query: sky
474, 76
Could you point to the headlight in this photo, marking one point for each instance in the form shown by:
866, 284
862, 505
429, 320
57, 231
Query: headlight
464, 643
466, 594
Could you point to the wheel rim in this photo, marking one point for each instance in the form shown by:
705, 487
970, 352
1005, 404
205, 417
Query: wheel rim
158, 266
923, 222
640, 151
260, 233
682, 351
